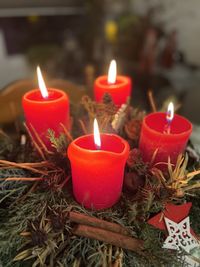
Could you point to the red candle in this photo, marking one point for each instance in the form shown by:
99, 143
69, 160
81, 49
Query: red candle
98, 169
119, 87
168, 136
46, 109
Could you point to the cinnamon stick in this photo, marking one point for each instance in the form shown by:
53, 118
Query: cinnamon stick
80, 218
109, 237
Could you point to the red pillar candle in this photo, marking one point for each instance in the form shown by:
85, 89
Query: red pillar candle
97, 173
46, 110
169, 139
119, 87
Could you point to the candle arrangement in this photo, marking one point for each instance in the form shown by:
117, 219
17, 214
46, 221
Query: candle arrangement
46, 109
106, 211
118, 86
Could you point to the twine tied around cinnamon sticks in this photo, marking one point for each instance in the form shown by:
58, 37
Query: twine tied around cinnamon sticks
111, 233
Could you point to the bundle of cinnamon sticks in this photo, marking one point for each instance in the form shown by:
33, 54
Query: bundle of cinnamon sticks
111, 233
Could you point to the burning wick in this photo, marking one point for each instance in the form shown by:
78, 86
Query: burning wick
41, 83
112, 72
97, 139
169, 117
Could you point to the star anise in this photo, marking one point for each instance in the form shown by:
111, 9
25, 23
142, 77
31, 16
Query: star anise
38, 235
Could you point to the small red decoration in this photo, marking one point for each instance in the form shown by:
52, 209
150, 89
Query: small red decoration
176, 213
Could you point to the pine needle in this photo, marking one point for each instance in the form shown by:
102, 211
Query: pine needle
178, 179
83, 126
35, 143
24, 179
68, 135
26, 166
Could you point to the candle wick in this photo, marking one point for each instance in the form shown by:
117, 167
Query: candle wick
111, 81
167, 128
97, 147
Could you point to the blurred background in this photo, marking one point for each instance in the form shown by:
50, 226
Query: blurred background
156, 42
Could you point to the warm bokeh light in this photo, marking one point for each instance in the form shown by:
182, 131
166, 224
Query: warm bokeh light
170, 112
112, 72
41, 83
97, 139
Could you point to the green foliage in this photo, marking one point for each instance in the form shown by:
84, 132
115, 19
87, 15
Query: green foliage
9, 190
42, 215
5, 173
59, 143
13, 221
6, 146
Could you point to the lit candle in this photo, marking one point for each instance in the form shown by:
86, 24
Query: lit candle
164, 135
46, 109
119, 87
97, 164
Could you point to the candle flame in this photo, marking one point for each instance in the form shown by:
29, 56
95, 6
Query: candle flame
112, 72
170, 112
41, 83
97, 139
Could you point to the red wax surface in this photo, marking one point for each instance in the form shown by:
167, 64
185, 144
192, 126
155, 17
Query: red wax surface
153, 137
119, 91
46, 113
97, 175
